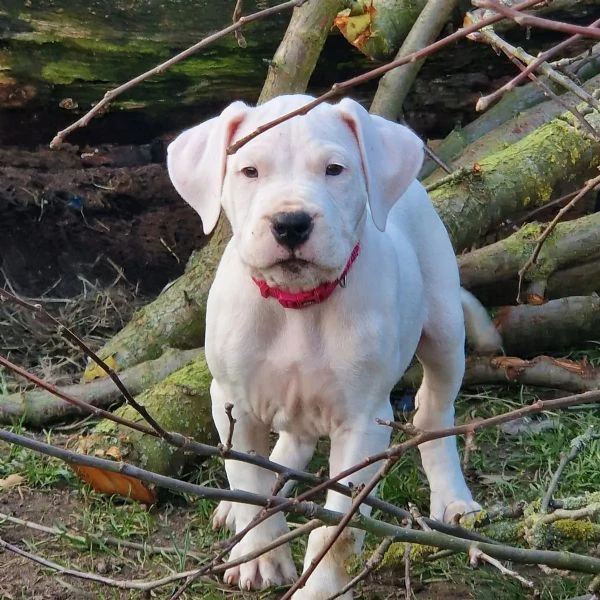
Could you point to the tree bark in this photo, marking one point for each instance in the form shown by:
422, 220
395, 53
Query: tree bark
297, 55
378, 27
516, 115
571, 242
541, 371
522, 176
556, 325
37, 408
395, 85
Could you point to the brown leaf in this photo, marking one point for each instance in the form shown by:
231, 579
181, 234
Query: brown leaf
108, 482
114, 453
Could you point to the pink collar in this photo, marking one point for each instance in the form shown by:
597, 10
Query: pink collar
314, 296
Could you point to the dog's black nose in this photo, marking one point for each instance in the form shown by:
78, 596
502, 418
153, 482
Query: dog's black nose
291, 228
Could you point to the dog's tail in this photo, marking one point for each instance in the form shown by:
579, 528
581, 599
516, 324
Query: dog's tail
481, 333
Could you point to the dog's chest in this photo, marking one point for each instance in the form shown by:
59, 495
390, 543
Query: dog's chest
297, 381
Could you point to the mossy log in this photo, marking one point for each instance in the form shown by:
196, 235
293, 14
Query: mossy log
179, 403
75, 49
556, 325
557, 156
36, 408
571, 242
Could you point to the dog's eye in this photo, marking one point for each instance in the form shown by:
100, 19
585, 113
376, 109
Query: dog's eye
334, 169
250, 172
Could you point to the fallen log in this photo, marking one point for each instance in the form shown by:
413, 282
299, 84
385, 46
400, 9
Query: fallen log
515, 116
36, 408
522, 176
571, 242
540, 371
556, 325
180, 403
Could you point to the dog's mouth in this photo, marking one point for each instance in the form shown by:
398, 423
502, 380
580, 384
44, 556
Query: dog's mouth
293, 265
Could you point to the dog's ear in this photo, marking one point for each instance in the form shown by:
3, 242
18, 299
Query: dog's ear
196, 162
391, 155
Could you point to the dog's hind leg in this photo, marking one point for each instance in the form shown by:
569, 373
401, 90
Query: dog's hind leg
441, 352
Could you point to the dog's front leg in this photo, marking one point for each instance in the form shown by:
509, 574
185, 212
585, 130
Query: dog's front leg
250, 435
349, 445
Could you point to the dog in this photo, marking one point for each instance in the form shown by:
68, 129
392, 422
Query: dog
339, 271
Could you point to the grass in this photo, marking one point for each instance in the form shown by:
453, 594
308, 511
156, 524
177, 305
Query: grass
503, 468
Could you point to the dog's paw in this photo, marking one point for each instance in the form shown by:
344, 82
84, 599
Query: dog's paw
461, 511
273, 568
224, 516
451, 509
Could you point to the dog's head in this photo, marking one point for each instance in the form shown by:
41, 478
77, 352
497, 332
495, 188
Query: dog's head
297, 194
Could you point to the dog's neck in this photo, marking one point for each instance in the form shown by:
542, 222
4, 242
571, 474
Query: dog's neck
307, 297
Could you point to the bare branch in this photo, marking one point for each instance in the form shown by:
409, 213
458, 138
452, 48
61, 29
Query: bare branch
577, 446
526, 20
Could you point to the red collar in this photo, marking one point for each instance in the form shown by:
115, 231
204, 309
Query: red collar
314, 296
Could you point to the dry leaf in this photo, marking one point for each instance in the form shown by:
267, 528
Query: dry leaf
11, 481
94, 371
108, 482
114, 453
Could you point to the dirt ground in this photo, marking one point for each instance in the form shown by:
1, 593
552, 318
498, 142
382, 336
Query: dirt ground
91, 213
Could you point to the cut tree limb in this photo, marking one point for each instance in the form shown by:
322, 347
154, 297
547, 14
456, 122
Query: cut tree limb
519, 113
571, 242
297, 55
378, 27
541, 371
395, 85
524, 175
556, 325
38, 407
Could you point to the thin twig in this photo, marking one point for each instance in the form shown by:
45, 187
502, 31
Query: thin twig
232, 422
476, 555
89, 539
237, 13
576, 447
590, 184
486, 101
527, 20
112, 94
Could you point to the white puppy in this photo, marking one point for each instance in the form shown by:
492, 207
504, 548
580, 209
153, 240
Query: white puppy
338, 271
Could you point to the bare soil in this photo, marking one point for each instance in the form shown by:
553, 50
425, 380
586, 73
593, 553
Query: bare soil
91, 213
